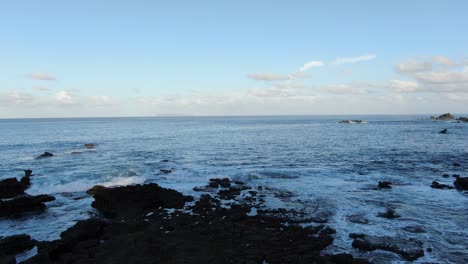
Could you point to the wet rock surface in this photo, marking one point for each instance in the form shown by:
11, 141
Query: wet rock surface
205, 231
409, 249
24, 204
12, 245
11, 187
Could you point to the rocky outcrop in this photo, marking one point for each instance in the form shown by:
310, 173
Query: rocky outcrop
11, 187
24, 204
351, 122
409, 249
121, 202
12, 245
463, 119
461, 183
437, 185
443, 131
45, 155
446, 116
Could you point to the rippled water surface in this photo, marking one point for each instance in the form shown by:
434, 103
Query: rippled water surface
327, 169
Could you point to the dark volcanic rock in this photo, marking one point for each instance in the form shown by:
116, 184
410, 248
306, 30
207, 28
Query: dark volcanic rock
446, 176
165, 171
11, 187
224, 182
95, 189
446, 116
443, 131
45, 155
130, 201
211, 234
28, 173
12, 245
385, 185
24, 204
461, 183
437, 185
410, 249
390, 214
455, 164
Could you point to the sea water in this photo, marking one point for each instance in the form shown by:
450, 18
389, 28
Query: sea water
327, 168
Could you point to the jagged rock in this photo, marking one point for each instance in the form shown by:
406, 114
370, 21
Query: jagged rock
11, 187
410, 249
45, 155
437, 185
446, 116
129, 201
385, 185
24, 204
461, 183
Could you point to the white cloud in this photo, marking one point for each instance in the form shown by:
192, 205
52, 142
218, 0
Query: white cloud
268, 77
40, 88
346, 60
42, 76
311, 64
413, 66
64, 98
444, 61
400, 86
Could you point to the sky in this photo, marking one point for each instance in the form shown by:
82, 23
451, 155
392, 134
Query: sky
149, 58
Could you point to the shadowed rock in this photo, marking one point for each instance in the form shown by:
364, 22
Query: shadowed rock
11, 187
24, 204
13, 245
461, 183
45, 155
129, 201
410, 249
443, 131
456, 164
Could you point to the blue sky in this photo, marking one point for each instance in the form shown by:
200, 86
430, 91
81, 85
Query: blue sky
144, 58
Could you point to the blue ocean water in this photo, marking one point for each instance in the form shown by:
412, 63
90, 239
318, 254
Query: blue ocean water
328, 169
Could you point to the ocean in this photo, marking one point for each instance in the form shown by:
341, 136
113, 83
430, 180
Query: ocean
326, 169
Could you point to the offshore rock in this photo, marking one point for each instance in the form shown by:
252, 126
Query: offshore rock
24, 204
11, 187
45, 155
446, 116
461, 183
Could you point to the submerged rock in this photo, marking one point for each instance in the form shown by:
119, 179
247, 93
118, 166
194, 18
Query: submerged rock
437, 185
130, 201
24, 204
90, 145
385, 185
358, 219
461, 183
409, 249
456, 164
45, 155
165, 171
446, 116
390, 214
